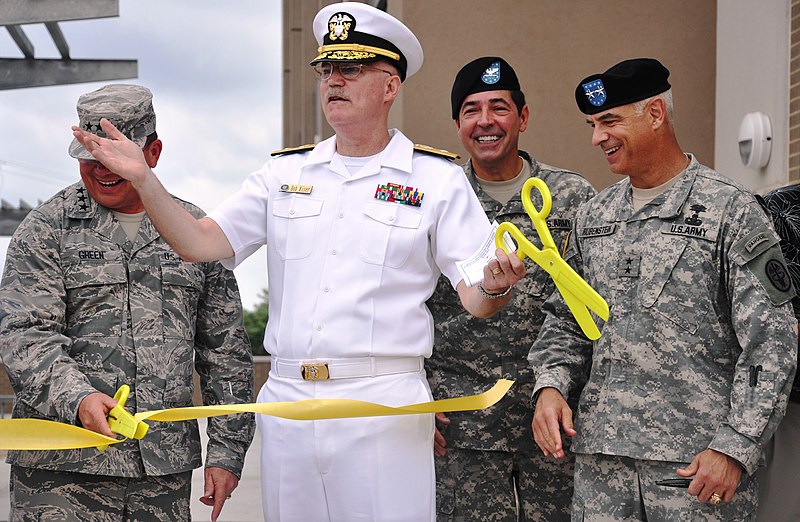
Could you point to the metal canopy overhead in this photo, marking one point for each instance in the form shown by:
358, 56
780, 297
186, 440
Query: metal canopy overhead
17, 73
29, 71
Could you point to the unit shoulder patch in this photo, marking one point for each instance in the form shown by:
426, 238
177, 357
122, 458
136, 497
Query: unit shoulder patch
293, 150
452, 156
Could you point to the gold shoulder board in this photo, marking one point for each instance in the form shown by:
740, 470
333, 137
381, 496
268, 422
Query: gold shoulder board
293, 150
452, 156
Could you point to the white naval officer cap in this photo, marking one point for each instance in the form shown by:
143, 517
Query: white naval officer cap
356, 32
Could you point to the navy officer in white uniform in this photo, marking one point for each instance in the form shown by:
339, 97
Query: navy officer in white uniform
358, 229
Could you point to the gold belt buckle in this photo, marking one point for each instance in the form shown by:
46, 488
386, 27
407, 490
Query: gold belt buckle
315, 372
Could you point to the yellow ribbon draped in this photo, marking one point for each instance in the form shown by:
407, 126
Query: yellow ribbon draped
37, 434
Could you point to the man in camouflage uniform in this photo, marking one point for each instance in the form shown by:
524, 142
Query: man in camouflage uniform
693, 370
487, 458
91, 299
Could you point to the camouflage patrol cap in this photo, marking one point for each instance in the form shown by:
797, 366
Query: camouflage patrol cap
128, 107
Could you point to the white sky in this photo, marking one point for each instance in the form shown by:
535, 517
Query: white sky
215, 72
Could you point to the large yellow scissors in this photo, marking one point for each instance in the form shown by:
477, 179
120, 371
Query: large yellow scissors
579, 296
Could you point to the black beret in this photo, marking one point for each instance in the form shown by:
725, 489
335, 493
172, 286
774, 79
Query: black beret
489, 73
627, 82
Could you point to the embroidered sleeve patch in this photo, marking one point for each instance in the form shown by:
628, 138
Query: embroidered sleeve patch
761, 253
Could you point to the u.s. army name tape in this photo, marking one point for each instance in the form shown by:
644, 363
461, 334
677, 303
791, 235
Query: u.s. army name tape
38, 434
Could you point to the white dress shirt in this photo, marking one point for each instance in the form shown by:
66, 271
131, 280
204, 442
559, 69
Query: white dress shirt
349, 273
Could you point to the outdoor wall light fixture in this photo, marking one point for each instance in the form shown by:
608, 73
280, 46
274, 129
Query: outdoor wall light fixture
755, 140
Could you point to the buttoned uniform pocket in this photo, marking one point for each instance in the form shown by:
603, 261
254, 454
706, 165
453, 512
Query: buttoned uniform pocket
181, 287
676, 287
178, 391
37, 513
389, 233
96, 293
295, 223
107, 380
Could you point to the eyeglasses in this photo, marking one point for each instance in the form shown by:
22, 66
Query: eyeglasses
349, 71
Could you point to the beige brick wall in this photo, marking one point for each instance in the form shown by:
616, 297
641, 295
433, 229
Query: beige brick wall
552, 45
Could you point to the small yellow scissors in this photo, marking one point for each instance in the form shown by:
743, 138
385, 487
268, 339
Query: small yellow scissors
579, 296
122, 422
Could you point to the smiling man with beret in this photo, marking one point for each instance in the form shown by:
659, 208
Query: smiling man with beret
486, 463
692, 373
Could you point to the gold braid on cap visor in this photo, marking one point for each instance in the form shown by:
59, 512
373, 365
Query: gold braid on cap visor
354, 51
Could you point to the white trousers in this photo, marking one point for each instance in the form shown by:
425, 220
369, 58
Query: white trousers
348, 470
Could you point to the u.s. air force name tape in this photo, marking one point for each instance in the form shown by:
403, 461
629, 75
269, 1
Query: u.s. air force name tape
37, 434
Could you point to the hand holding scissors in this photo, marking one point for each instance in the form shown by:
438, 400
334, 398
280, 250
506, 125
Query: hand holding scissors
122, 422
579, 296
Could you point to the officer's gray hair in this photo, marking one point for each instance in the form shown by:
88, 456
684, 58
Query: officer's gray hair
638, 107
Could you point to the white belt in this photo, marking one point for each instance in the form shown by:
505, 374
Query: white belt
349, 368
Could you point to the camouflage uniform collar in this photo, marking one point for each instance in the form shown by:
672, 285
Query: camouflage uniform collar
677, 195
666, 205
80, 205
515, 203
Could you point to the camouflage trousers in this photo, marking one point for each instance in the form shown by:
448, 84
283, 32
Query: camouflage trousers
616, 489
487, 486
40, 494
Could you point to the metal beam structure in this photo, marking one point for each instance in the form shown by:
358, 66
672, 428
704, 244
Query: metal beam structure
16, 73
58, 39
39, 11
21, 39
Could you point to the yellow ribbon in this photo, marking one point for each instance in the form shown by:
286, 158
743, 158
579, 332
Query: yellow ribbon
37, 434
